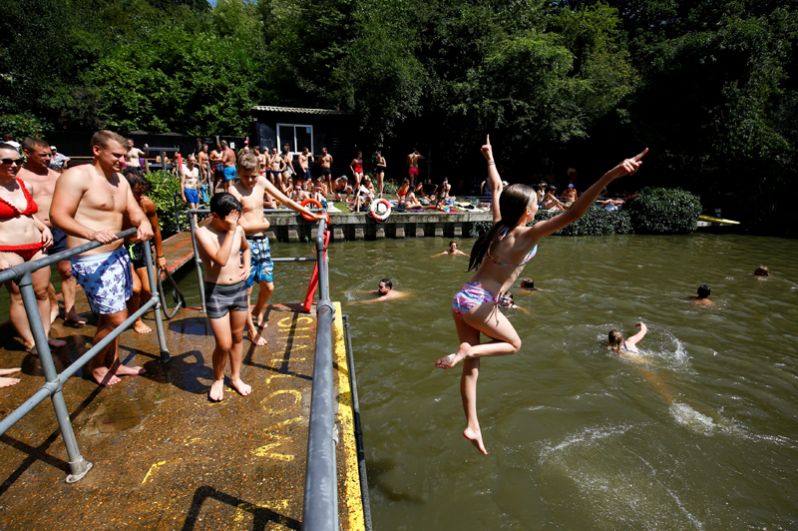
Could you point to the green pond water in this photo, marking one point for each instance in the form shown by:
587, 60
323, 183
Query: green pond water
703, 435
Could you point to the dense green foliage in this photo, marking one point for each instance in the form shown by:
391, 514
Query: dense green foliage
597, 221
709, 86
165, 193
664, 211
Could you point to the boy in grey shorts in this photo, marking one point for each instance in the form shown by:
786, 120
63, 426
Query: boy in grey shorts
221, 245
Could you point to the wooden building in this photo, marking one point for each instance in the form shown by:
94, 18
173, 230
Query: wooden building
298, 127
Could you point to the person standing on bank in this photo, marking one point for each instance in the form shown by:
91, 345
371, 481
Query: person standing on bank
499, 256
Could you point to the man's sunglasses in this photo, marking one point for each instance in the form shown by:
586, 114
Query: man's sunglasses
12, 161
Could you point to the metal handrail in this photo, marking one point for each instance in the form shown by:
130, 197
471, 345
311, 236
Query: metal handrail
321, 490
54, 383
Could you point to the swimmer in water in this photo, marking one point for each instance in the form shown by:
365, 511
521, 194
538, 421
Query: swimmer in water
627, 347
702, 296
384, 292
451, 251
761, 272
499, 257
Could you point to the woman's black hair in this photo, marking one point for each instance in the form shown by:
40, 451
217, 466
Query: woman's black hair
512, 205
223, 203
136, 179
703, 291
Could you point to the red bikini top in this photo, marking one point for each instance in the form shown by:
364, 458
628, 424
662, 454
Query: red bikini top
9, 211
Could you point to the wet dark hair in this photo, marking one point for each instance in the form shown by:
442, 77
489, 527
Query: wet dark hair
387, 282
223, 203
703, 291
527, 283
761, 271
136, 180
615, 338
512, 205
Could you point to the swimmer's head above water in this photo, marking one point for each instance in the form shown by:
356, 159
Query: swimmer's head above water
527, 283
761, 271
385, 286
703, 291
615, 340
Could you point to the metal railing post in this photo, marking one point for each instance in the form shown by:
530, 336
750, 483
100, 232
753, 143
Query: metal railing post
192, 223
151, 272
321, 488
78, 465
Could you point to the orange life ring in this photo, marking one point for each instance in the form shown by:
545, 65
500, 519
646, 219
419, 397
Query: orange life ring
380, 209
315, 204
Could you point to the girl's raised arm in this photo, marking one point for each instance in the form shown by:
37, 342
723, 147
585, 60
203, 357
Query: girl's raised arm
580, 206
494, 180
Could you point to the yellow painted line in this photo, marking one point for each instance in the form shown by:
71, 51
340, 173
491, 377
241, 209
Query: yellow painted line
151, 472
346, 419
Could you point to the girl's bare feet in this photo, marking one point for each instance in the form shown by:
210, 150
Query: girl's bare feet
242, 388
216, 393
447, 362
475, 436
8, 382
124, 370
141, 328
103, 376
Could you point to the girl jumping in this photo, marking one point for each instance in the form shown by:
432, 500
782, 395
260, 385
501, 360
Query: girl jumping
499, 256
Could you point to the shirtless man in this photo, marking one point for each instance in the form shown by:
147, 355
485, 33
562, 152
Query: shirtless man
288, 168
36, 172
305, 159
91, 202
412, 165
134, 154
204, 163
229, 162
702, 296
276, 165
326, 162
249, 190
217, 167
451, 251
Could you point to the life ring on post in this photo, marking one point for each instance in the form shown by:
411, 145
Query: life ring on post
314, 204
380, 209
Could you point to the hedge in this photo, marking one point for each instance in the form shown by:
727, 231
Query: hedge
653, 211
664, 211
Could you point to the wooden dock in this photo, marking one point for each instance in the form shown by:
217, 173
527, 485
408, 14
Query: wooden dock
164, 456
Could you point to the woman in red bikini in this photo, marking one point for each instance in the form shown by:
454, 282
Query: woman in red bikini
23, 237
498, 257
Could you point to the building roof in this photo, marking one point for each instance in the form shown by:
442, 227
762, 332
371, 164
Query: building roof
298, 110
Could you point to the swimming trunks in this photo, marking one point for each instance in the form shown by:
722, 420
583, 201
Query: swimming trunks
379, 169
326, 171
306, 174
230, 173
106, 280
192, 196
10, 211
25, 251
220, 299
470, 296
218, 169
262, 266
413, 171
59, 241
